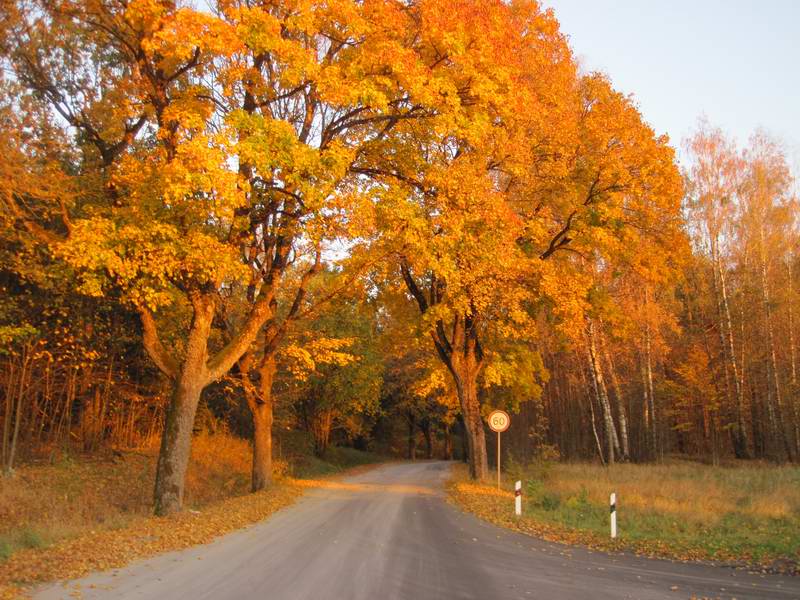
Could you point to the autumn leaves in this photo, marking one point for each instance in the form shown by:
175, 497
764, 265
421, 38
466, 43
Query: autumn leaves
219, 155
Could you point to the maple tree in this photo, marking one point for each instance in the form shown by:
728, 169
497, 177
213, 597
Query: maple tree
215, 149
301, 198
444, 210
203, 134
350, 78
495, 222
155, 191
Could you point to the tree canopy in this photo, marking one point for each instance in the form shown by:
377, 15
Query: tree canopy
354, 214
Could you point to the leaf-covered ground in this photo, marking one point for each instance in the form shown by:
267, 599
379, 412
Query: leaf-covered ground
143, 537
554, 512
64, 520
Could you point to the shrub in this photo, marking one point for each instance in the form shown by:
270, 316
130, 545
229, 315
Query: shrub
540, 497
28, 538
550, 501
5, 549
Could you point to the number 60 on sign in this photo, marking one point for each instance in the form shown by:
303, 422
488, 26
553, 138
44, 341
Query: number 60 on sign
499, 420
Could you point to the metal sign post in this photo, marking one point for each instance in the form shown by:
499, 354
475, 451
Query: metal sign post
499, 422
498, 460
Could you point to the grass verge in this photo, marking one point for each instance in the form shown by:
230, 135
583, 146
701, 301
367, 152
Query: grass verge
737, 515
79, 515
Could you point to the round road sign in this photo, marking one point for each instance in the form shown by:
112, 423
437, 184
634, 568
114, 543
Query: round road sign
499, 420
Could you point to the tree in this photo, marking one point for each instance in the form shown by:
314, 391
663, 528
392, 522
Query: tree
713, 182
767, 212
445, 207
211, 150
337, 370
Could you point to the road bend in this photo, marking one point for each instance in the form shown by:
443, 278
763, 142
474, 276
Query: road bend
389, 533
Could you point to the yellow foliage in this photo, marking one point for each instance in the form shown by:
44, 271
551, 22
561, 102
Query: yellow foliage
304, 359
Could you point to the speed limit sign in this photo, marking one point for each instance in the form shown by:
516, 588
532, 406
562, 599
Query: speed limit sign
499, 421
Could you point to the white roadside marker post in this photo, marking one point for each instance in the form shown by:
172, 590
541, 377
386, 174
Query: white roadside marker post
613, 516
518, 498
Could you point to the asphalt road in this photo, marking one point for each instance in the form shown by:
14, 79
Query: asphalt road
389, 534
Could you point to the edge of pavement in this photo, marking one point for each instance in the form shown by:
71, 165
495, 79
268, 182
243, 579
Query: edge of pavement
148, 535
496, 507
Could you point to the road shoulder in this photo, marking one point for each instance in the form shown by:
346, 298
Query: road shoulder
497, 507
149, 536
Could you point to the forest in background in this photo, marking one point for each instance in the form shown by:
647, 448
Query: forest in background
375, 222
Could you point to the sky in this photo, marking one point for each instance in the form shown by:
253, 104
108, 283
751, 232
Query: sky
735, 61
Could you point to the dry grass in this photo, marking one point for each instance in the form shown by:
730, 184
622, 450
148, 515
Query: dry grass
79, 514
42, 504
694, 492
748, 513
142, 536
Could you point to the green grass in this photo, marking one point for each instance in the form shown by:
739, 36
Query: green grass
6, 549
25, 537
734, 534
744, 513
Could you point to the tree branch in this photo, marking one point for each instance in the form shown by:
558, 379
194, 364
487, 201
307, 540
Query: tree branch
224, 360
152, 344
412, 286
560, 239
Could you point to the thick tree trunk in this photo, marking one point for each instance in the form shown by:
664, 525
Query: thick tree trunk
262, 409
260, 405
467, 390
176, 441
462, 354
464, 442
262, 446
464, 360
189, 376
192, 377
